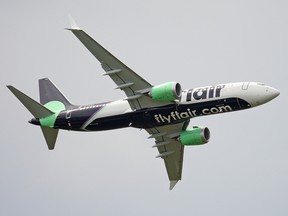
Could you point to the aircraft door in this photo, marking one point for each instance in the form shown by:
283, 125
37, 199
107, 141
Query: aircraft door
68, 118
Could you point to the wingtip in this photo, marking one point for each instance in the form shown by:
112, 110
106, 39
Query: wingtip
172, 184
73, 24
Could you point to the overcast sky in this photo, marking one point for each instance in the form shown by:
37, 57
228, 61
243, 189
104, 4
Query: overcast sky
241, 171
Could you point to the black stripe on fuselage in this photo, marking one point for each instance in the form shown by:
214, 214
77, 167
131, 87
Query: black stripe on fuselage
150, 117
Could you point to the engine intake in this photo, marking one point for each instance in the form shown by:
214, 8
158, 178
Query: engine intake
166, 92
195, 136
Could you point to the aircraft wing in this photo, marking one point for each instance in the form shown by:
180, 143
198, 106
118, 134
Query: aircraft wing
170, 149
126, 79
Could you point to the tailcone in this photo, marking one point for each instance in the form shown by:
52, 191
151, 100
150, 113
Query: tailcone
34, 121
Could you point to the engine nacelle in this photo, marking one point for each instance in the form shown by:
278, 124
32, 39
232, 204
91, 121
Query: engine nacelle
195, 136
166, 92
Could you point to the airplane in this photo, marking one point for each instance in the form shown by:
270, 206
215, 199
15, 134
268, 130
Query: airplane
163, 110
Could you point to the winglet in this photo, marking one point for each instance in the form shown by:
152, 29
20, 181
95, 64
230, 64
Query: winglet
73, 24
172, 184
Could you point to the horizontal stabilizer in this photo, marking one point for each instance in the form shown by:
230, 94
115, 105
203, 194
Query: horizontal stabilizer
38, 111
50, 135
35, 108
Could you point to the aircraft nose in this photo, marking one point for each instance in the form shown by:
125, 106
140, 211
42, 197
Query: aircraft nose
261, 94
272, 93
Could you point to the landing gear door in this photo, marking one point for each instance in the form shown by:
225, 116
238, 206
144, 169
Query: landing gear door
245, 85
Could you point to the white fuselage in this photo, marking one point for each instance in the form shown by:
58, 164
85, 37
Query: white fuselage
254, 93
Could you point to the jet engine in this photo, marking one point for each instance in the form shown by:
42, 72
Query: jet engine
195, 136
166, 92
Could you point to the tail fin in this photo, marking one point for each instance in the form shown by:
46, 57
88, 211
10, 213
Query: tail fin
40, 112
49, 92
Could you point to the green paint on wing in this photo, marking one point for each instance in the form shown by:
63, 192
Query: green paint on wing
56, 107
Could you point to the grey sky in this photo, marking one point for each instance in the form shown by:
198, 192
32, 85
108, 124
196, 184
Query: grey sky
241, 171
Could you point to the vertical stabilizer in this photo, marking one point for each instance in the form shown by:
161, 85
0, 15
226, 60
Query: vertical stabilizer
49, 92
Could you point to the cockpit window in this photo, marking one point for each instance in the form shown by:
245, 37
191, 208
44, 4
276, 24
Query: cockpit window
262, 84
